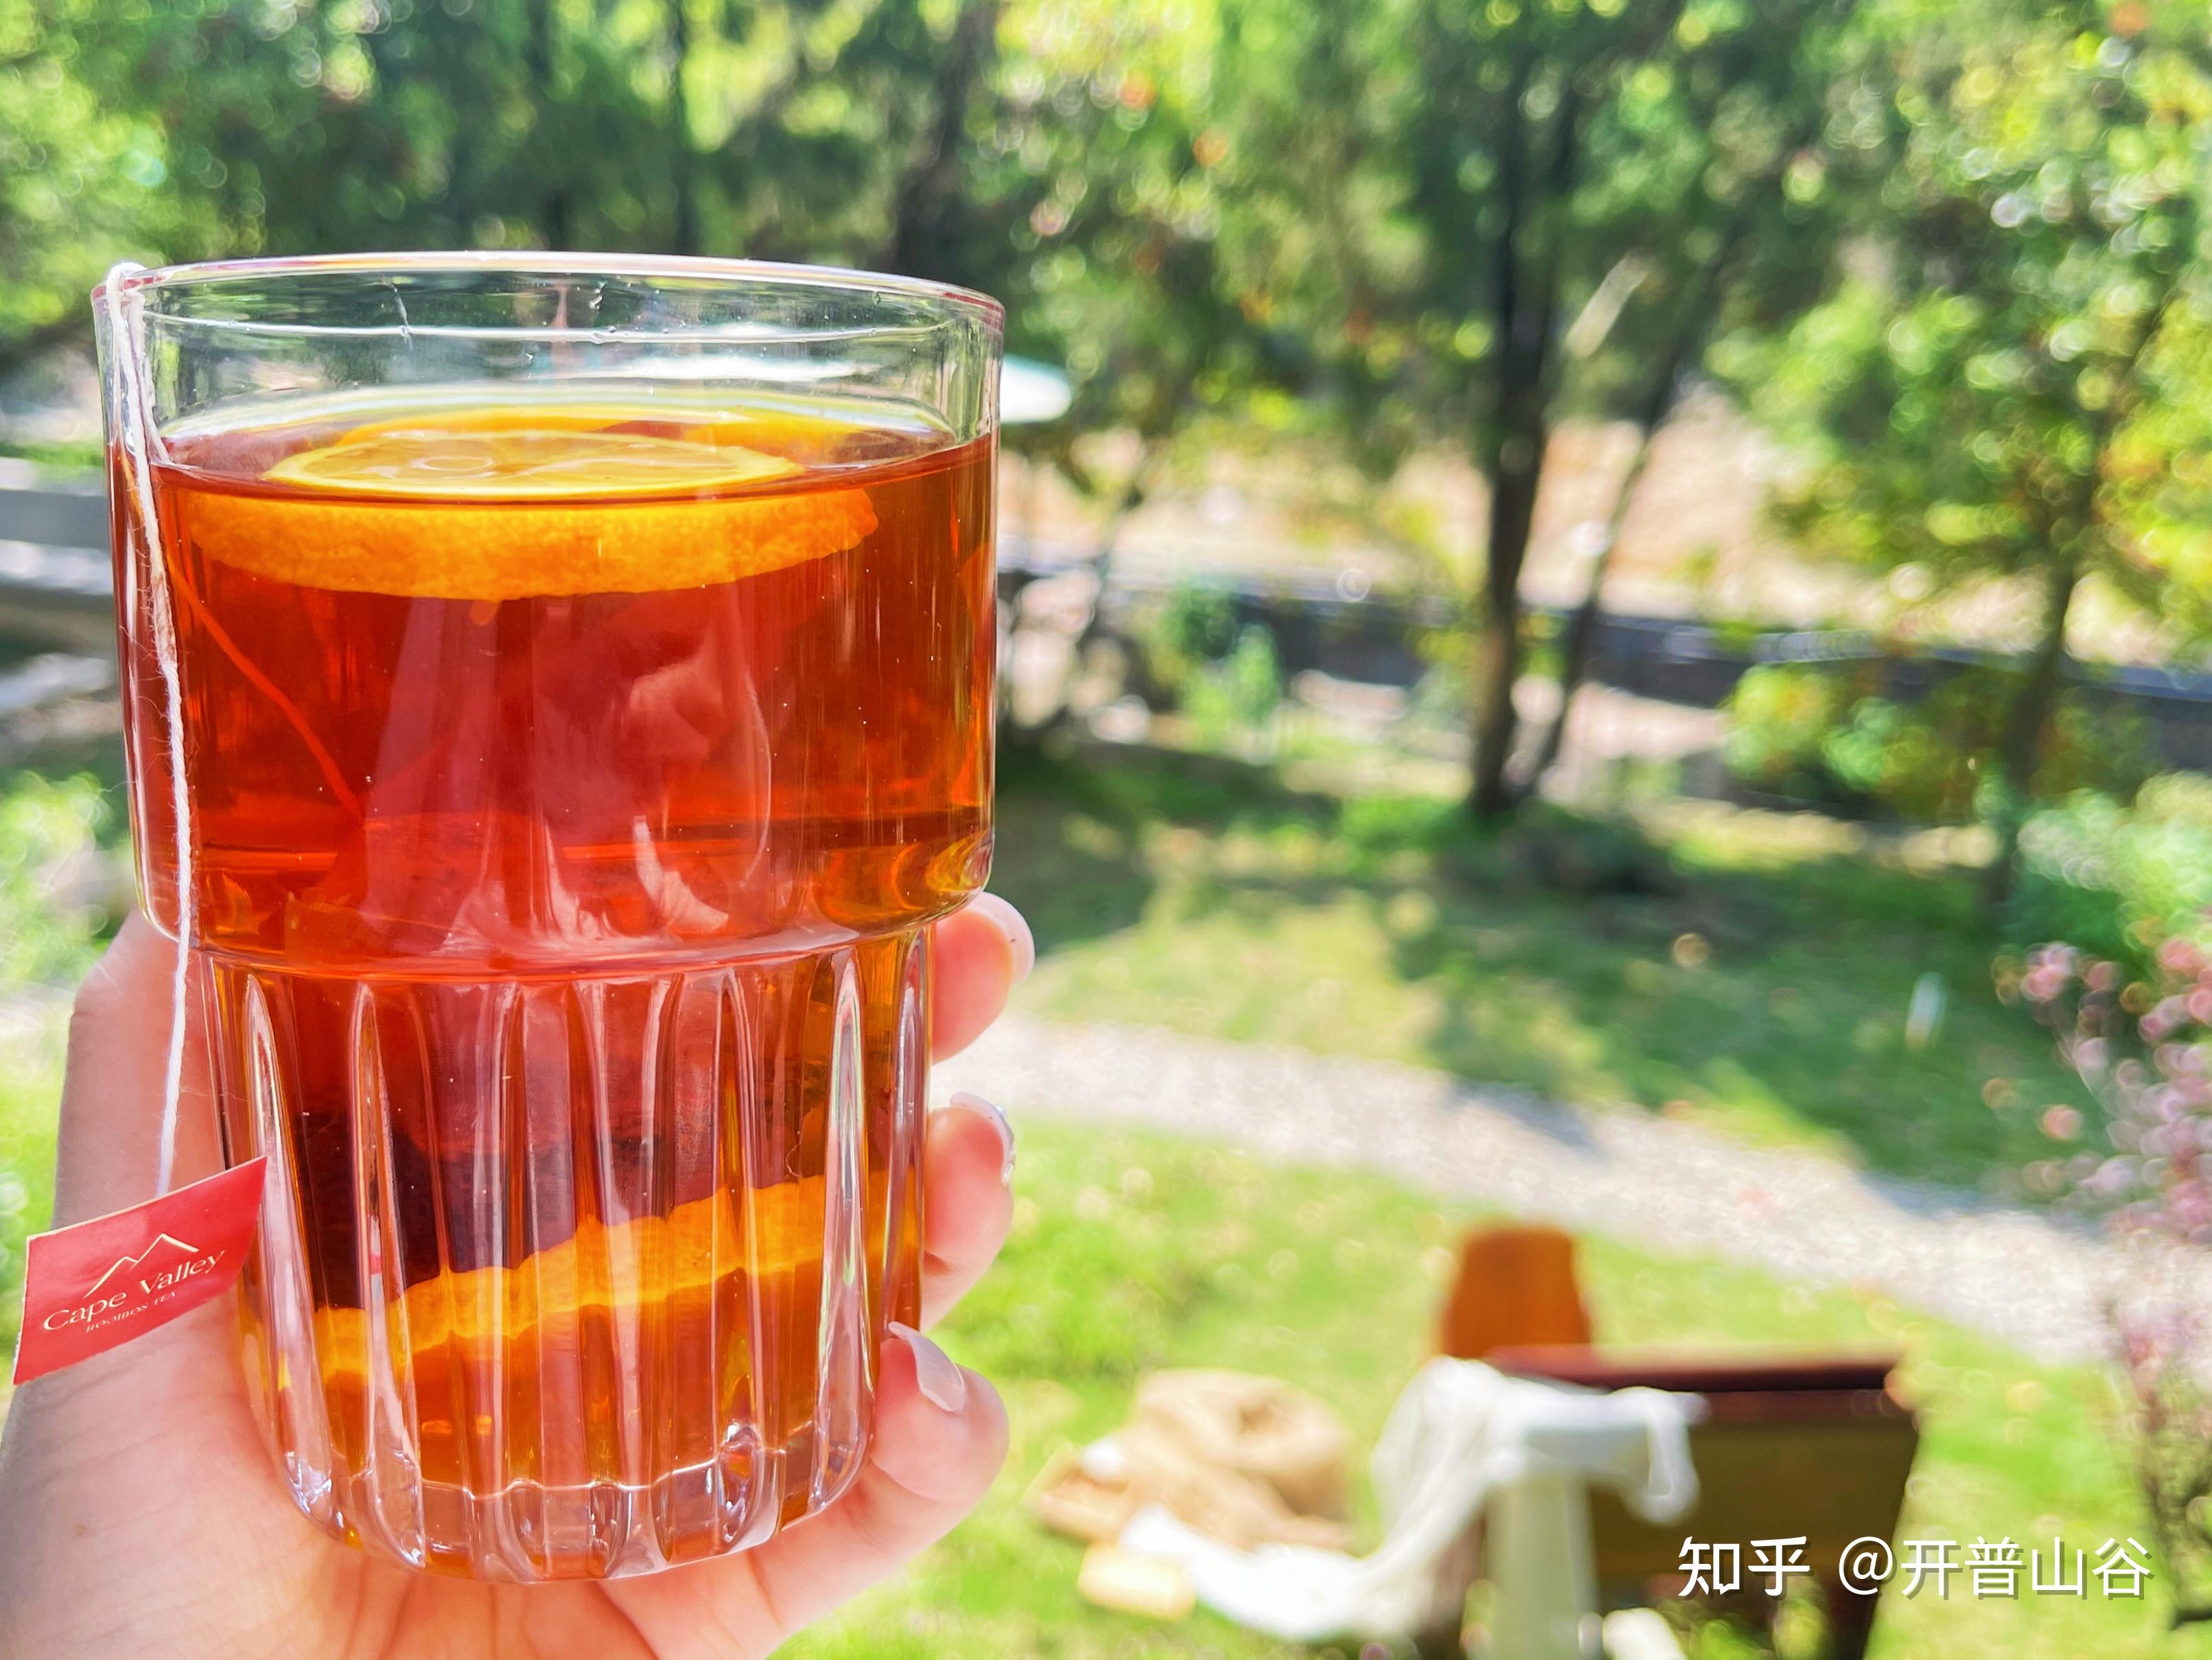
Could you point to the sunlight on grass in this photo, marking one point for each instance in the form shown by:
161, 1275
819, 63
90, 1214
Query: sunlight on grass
1378, 927
1748, 971
1136, 1250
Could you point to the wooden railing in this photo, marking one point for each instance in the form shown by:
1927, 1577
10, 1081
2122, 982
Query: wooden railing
56, 592
57, 604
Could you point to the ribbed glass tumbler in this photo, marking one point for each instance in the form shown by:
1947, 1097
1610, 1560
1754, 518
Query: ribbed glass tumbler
558, 700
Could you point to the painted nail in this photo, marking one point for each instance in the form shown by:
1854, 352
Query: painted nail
989, 1111
939, 1381
1010, 922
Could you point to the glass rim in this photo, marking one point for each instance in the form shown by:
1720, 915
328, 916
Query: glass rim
847, 281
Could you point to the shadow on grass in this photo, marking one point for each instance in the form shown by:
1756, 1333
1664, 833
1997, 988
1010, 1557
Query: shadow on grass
1566, 955
1072, 822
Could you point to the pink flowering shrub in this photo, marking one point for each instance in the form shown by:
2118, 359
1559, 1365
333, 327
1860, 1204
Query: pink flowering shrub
2145, 1048
2142, 1042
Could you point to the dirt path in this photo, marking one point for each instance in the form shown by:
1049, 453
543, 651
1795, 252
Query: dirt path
2033, 1282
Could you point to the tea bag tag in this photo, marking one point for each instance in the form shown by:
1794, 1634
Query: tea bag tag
95, 1284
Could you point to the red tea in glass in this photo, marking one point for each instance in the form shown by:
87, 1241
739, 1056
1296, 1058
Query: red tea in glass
570, 767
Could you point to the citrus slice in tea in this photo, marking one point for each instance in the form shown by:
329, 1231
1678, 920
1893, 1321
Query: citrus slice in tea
534, 464
507, 504
786, 431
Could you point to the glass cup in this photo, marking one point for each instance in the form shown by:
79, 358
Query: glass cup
558, 698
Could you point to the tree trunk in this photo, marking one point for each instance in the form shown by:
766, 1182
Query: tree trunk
929, 197
2025, 725
1581, 626
1651, 413
1525, 307
2037, 697
1686, 347
1498, 639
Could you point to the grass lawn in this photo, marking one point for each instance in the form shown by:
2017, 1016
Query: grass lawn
1760, 979
1750, 975
66, 455
1134, 1251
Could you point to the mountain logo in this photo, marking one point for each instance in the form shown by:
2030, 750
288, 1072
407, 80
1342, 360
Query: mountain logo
105, 1280
178, 1249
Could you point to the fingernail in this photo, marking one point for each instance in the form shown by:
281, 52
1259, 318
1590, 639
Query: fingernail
1010, 922
939, 1381
989, 1111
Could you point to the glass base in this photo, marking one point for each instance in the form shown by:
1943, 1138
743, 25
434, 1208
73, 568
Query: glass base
581, 1278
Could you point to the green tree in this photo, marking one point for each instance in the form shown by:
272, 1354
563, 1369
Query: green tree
1117, 147
791, 129
1116, 175
81, 185
1081, 161
1061, 155
1768, 148
1546, 208
2013, 385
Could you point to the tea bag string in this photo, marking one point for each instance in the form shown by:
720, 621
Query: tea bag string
133, 423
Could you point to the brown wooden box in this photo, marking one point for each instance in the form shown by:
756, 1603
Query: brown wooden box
1815, 1445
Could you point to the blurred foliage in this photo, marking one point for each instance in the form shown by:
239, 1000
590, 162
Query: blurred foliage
1069, 158
82, 182
2015, 359
1951, 252
1196, 626
1494, 216
1589, 167
792, 130
1230, 701
1779, 718
31, 1050
1828, 738
52, 882
2119, 880
2011, 381
2139, 1032
52, 920
1123, 143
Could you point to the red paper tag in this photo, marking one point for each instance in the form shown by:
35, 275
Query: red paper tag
87, 1287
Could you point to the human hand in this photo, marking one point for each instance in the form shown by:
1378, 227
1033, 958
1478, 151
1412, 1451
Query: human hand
139, 1514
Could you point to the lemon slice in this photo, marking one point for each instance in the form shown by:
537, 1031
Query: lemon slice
505, 505
690, 1252
764, 430
533, 464
548, 417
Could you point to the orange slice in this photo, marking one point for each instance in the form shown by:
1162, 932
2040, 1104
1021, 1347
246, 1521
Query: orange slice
535, 463
507, 505
619, 1269
791, 434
